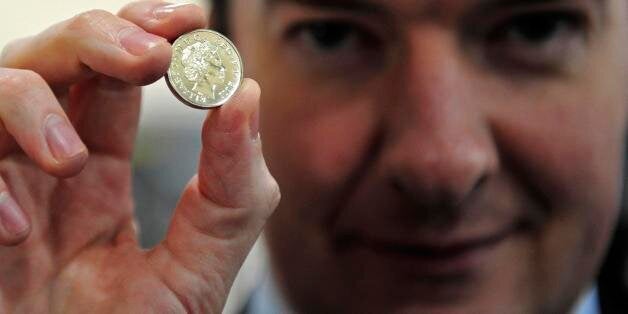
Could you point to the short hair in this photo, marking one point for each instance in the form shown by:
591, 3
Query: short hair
219, 17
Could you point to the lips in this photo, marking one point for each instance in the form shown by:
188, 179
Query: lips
441, 246
433, 255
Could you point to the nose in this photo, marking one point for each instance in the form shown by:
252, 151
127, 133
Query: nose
439, 148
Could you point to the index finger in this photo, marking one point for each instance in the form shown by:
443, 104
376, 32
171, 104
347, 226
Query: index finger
89, 43
131, 47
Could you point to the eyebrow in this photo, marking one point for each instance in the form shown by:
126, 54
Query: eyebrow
366, 6
362, 6
514, 3
598, 6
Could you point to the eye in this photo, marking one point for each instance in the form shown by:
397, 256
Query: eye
537, 40
329, 35
538, 28
336, 45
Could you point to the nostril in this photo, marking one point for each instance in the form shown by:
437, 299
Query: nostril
434, 206
422, 195
434, 188
397, 185
478, 184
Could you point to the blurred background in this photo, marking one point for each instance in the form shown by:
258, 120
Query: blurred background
168, 141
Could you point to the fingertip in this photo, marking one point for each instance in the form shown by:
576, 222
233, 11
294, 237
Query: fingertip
15, 225
242, 106
69, 167
148, 57
164, 18
153, 65
66, 168
13, 240
251, 87
67, 154
246, 98
230, 145
174, 20
251, 97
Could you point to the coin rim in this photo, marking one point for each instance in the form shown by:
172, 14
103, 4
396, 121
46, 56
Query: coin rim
220, 103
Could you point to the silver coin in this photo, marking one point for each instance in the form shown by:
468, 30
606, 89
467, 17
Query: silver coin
206, 69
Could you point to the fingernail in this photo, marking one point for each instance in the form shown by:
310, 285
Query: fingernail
254, 124
11, 216
63, 141
163, 12
137, 41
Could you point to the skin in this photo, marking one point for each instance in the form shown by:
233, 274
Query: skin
68, 242
441, 173
428, 143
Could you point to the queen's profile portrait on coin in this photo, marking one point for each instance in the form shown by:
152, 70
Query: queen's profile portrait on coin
203, 66
206, 69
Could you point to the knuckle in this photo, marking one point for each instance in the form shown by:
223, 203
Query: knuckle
17, 82
195, 11
9, 50
138, 5
5, 50
126, 9
89, 19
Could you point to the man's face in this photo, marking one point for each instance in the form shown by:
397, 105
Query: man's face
459, 156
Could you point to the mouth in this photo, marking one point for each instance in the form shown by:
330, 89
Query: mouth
435, 256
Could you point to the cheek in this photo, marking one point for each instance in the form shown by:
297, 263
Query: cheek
314, 143
333, 144
315, 137
568, 151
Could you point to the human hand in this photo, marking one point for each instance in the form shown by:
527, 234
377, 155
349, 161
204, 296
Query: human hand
69, 107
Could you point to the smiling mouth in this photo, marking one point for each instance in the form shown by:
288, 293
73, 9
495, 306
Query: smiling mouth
443, 256
439, 250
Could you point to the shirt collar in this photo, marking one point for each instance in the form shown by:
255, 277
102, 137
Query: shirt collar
269, 299
589, 303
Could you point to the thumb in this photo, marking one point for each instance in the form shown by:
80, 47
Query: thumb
222, 210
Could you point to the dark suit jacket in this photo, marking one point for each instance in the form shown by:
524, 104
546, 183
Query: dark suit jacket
613, 279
